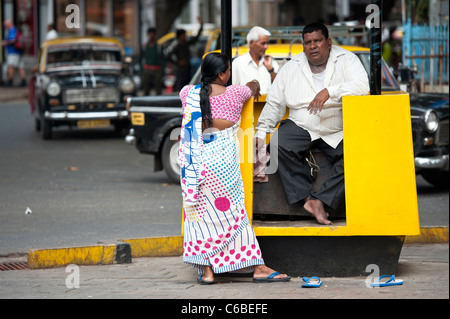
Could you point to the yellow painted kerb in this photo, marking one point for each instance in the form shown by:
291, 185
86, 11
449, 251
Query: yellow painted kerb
59, 257
156, 247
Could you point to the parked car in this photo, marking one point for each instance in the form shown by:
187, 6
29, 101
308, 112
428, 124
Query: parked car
82, 82
429, 116
155, 121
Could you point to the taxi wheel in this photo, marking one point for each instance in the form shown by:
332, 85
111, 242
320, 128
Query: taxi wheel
37, 125
170, 159
439, 179
46, 128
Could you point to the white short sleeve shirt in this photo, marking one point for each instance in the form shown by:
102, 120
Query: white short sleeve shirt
246, 70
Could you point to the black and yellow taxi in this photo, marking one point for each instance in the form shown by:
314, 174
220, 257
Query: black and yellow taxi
82, 82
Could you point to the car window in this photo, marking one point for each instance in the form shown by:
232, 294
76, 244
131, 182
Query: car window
197, 78
388, 81
76, 55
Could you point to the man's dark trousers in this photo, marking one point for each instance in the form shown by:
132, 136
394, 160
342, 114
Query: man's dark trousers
293, 143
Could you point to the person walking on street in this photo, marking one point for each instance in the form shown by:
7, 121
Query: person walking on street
14, 51
181, 56
153, 66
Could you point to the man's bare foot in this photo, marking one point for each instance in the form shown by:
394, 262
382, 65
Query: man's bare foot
262, 272
315, 208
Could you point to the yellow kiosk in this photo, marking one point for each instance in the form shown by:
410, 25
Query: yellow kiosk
381, 199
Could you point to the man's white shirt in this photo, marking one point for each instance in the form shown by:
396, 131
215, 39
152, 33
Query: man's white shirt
295, 88
246, 70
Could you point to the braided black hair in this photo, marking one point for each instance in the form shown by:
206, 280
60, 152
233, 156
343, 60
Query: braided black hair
213, 64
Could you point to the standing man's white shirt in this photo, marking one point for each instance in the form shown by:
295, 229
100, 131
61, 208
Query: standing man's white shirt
295, 88
245, 70
52, 34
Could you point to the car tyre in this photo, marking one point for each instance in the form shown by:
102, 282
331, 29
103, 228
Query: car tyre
170, 159
37, 125
437, 178
46, 127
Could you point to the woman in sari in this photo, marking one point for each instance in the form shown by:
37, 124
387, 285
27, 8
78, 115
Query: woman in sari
218, 236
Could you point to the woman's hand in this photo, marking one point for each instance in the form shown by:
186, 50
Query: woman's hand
256, 88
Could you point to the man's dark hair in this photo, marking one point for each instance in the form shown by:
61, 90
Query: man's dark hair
151, 29
180, 32
313, 27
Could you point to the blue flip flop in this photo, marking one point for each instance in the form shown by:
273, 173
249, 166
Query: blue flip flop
390, 282
313, 282
201, 281
271, 278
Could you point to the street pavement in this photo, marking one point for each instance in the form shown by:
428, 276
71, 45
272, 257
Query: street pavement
423, 267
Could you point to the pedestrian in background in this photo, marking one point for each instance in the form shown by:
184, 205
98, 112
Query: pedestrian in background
14, 50
392, 49
51, 32
181, 56
153, 64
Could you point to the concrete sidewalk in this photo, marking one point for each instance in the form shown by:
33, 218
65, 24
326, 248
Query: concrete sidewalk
424, 269
13, 94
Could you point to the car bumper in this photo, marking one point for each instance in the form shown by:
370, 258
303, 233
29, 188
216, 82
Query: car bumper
64, 116
130, 139
440, 162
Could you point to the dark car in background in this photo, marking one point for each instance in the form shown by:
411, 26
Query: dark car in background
82, 82
155, 121
430, 117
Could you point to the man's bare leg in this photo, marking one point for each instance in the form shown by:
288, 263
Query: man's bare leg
315, 208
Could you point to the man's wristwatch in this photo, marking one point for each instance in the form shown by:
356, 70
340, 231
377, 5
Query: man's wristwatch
270, 71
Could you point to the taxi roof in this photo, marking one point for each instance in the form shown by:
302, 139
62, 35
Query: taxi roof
80, 40
66, 41
287, 50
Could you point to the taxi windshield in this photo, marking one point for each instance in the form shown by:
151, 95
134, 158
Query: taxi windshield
82, 54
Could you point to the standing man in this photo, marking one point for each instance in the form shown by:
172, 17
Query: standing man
153, 64
14, 53
51, 32
255, 64
312, 85
181, 56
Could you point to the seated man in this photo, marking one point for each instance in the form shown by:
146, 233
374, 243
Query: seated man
255, 64
312, 85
